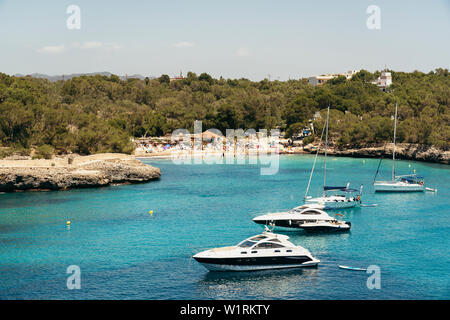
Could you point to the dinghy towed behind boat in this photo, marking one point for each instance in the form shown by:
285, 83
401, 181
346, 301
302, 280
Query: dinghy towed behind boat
264, 251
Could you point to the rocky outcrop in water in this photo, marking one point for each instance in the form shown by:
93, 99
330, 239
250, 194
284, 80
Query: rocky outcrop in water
82, 172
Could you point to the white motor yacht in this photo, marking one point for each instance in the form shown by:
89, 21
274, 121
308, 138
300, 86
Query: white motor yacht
264, 251
294, 218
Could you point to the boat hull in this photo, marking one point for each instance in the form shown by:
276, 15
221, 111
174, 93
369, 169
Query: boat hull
326, 228
285, 224
392, 187
255, 264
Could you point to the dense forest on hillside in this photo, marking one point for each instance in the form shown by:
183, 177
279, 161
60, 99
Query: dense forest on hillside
90, 114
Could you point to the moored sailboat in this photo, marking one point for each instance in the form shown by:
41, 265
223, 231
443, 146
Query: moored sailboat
403, 183
345, 197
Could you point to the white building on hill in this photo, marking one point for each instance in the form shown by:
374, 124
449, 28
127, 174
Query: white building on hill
384, 80
320, 80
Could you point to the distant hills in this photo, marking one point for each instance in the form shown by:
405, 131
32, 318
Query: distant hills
73, 75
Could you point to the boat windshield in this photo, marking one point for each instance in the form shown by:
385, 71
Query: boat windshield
268, 245
258, 238
311, 212
247, 244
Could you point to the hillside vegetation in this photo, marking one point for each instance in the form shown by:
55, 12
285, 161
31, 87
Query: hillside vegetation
92, 114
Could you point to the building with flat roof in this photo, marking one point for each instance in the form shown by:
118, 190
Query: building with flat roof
320, 80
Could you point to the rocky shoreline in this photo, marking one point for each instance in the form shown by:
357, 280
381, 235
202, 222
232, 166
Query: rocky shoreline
74, 172
403, 151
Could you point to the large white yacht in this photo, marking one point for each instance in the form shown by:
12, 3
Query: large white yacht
405, 183
294, 218
264, 251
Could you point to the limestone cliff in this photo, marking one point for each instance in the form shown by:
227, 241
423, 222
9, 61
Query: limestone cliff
74, 172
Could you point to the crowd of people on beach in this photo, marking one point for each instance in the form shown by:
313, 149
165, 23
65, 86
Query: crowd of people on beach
164, 145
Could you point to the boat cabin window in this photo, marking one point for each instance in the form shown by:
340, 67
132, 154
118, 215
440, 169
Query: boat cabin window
311, 212
247, 244
268, 245
258, 238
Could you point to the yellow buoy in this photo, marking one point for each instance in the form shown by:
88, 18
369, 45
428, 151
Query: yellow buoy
151, 212
68, 223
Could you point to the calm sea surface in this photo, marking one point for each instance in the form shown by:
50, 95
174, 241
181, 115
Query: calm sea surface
126, 253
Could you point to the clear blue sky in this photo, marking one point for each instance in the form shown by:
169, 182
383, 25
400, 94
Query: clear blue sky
233, 39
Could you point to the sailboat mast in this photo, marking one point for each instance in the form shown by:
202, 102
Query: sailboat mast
326, 145
314, 164
393, 152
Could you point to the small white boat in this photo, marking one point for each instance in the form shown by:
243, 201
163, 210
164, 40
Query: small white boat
264, 251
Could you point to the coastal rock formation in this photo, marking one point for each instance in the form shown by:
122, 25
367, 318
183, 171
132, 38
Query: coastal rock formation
402, 151
82, 172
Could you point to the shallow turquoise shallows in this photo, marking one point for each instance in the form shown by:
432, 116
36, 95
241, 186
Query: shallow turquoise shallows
124, 252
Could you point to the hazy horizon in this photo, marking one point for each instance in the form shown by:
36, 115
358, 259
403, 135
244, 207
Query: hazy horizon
184, 74
253, 40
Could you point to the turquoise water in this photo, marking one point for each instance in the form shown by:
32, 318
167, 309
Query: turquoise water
126, 253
